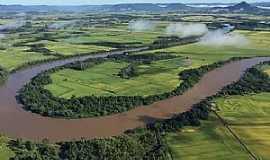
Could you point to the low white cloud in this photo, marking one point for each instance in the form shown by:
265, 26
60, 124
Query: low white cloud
141, 25
186, 29
219, 38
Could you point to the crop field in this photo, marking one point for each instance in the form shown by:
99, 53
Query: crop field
210, 141
249, 116
5, 152
14, 48
13, 58
115, 35
102, 80
73, 49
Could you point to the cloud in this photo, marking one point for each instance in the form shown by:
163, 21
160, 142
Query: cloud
141, 25
219, 38
186, 29
60, 25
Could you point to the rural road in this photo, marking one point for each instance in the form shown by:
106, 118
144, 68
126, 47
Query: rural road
15, 122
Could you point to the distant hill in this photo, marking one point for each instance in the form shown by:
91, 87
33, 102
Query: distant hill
242, 7
140, 7
148, 7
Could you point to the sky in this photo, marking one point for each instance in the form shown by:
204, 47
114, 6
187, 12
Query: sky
95, 2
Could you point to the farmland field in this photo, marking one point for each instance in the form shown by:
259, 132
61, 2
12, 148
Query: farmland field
210, 141
13, 58
248, 116
15, 49
102, 80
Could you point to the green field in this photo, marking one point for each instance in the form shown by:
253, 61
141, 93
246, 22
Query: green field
66, 42
5, 152
210, 141
102, 79
118, 34
13, 58
67, 49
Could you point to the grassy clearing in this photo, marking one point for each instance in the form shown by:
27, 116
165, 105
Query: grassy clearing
13, 58
102, 79
118, 35
67, 49
5, 152
249, 118
210, 141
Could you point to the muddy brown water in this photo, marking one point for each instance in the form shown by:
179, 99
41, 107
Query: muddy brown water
15, 122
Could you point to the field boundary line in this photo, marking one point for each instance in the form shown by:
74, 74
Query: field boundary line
252, 155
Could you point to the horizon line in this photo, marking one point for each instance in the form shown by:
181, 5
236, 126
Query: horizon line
130, 3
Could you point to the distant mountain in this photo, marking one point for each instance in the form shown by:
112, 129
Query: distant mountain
136, 7
242, 7
262, 4
142, 7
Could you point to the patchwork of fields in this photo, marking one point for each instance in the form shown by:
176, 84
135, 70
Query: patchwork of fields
19, 48
158, 77
102, 80
210, 141
248, 116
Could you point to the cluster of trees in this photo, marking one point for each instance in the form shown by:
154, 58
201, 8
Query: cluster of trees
251, 25
143, 58
198, 112
83, 65
3, 74
164, 42
128, 72
27, 150
119, 45
254, 81
140, 144
40, 48
39, 100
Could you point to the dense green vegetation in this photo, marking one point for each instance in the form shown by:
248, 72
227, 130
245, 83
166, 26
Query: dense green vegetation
3, 75
141, 144
39, 100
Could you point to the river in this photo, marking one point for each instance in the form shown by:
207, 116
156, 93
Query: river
15, 122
